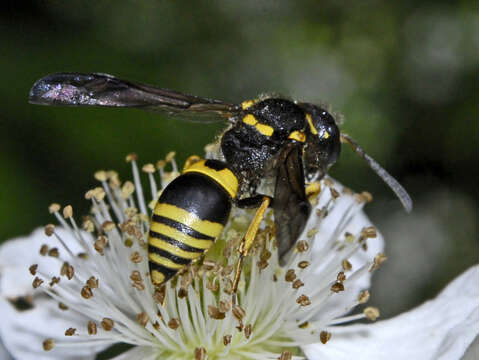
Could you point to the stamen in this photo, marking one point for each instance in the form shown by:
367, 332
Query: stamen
107, 324
92, 329
371, 313
48, 344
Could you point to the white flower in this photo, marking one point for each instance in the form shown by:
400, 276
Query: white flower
99, 293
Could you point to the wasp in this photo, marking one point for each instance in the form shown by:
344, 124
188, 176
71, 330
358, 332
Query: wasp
273, 138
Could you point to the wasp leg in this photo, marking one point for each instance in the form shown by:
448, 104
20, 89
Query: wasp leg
253, 201
248, 241
190, 161
313, 188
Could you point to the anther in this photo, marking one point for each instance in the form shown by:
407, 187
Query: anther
372, 313
303, 300
92, 329
131, 157
55, 280
33, 269
290, 275
37, 282
100, 175
49, 229
67, 212
86, 292
324, 336
48, 344
107, 324
337, 287
100, 244
53, 252
67, 270
53, 208
302, 246
369, 232
215, 313
227, 340
297, 284
70, 331
127, 189
108, 226
367, 196
142, 318
170, 156
92, 283
148, 168
346, 265
174, 323
286, 355
363, 297
379, 259
200, 353
238, 312
88, 226
341, 277
312, 232
247, 331
136, 257
334, 193
44, 250
303, 264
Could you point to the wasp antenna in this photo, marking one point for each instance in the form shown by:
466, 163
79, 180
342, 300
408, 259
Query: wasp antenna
400, 192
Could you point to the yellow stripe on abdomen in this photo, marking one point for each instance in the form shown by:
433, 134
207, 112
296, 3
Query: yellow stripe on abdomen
182, 216
179, 236
161, 260
172, 249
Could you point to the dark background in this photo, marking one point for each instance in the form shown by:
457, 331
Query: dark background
405, 75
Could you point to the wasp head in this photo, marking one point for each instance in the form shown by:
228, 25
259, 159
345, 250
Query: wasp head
322, 140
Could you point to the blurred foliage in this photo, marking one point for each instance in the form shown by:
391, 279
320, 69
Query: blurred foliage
405, 75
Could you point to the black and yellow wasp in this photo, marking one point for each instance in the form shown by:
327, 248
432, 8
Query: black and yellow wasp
283, 140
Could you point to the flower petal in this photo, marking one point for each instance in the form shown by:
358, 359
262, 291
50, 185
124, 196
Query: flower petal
442, 328
23, 332
4, 355
18, 254
345, 216
138, 352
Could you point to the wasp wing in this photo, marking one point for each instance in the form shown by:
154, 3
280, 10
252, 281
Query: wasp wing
76, 89
291, 206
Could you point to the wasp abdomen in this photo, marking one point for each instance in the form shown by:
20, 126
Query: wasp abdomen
189, 216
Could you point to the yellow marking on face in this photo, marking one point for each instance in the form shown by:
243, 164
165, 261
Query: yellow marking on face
157, 277
298, 136
326, 134
161, 260
314, 131
179, 236
250, 120
224, 177
172, 249
247, 104
182, 216
265, 130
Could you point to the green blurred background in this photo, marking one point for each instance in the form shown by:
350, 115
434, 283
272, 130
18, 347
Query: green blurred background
405, 75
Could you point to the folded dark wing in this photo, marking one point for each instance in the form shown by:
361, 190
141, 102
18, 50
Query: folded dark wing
291, 206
